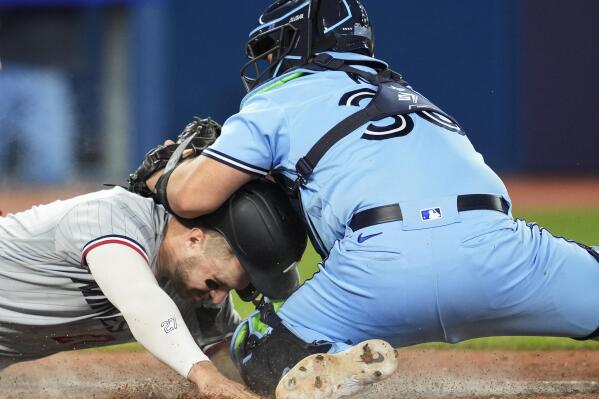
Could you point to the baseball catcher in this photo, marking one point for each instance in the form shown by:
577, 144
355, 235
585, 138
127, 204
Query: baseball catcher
415, 229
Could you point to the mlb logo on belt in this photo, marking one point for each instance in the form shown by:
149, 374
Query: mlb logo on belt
431, 214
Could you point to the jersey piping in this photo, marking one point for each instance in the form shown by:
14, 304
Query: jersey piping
113, 239
234, 163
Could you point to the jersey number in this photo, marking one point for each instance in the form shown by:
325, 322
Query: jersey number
401, 125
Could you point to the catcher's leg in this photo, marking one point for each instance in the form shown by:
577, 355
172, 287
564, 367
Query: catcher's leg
264, 359
521, 280
267, 352
340, 374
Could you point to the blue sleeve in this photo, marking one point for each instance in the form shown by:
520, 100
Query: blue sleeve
248, 141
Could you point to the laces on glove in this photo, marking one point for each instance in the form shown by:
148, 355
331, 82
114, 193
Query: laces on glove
198, 135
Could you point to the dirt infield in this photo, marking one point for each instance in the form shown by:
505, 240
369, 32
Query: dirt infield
552, 192
13, 199
422, 374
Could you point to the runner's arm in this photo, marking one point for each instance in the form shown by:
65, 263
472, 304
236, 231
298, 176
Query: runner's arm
153, 318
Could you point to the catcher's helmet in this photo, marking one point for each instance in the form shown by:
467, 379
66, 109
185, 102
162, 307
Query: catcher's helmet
267, 236
292, 31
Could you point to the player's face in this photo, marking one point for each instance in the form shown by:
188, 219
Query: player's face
201, 277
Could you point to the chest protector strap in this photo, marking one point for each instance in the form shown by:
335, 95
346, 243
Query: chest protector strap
393, 98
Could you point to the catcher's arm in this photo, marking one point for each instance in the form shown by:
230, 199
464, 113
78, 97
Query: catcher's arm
215, 181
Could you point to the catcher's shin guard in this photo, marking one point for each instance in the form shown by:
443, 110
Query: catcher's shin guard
264, 349
338, 375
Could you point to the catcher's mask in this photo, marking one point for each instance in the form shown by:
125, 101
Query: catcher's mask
292, 31
266, 235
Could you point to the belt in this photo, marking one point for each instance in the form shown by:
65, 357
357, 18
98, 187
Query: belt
392, 213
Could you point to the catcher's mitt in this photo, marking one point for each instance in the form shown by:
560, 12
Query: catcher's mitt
203, 132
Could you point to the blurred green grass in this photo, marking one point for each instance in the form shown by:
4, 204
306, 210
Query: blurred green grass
581, 225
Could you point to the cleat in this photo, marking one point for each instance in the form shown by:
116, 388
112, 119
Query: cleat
332, 376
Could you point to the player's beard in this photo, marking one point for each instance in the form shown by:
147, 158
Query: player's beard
180, 277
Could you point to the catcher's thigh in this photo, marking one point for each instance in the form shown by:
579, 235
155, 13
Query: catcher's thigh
521, 280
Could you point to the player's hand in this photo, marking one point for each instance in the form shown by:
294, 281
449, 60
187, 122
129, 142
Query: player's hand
211, 383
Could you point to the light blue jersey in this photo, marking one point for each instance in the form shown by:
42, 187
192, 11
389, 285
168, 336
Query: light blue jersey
278, 126
439, 274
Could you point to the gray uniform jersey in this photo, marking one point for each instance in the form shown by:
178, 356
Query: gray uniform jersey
49, 301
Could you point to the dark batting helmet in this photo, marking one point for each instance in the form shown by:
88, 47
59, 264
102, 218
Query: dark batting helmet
292, 31
266, 234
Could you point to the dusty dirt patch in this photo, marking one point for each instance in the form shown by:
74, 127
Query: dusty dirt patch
497, 374
422, 374
552, 192
14, 199
93, 375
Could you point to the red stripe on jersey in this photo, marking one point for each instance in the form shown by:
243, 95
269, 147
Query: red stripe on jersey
112, 241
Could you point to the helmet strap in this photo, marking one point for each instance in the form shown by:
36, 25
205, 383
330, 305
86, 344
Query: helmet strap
312, 28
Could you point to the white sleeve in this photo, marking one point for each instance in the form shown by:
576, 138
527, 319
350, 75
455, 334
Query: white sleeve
155, 321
